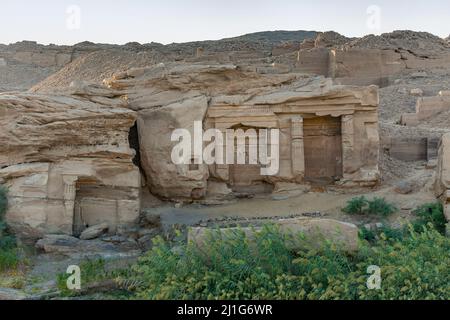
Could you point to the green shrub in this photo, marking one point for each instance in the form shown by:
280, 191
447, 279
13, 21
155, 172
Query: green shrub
379, 206
356, 205
430, 213
412, 268
9, 255
95, 271
376, 206
92, 270
3, 202
8, 259
235, 267
6, 241
380, 233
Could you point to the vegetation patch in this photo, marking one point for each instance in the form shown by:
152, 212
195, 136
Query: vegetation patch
9, 253
413, 266
96, 278
413, 262
376, 206
430, 213
373, 236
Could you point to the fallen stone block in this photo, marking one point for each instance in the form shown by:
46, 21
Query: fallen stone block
409, 119
94, 231
404, 187
419, 74
432, 164
76, 248
302, 233
58, 244
316, 231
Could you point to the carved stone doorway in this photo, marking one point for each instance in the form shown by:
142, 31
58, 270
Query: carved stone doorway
246, 178
323, 149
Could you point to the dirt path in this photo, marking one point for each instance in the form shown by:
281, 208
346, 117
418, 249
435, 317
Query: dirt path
329, 204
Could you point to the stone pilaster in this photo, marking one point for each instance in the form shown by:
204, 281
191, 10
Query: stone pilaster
69, 201
348, 142
297, 147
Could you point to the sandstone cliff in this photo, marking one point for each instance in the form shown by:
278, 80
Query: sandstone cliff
172, 96
64, 154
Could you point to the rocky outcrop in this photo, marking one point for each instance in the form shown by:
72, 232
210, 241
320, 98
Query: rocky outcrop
96, 66
66, 161
173, 96
360, 61
442, 184
419, 44
26, 63
330, 39
75, 248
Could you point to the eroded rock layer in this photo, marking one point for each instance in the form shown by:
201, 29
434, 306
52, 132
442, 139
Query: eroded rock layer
66, 161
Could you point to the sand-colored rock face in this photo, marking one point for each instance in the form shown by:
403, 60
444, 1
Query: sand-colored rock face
442, 184
66, 161
304, 109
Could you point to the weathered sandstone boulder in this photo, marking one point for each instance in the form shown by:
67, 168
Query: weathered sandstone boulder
85, 249
94, 231
303, 233
61, 244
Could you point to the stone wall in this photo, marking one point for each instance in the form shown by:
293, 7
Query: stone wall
313, 61
427, 107
411, 149
363, 66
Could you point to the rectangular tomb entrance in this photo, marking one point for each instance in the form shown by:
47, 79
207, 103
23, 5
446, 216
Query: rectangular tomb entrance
323, 149
96, 204
246, 177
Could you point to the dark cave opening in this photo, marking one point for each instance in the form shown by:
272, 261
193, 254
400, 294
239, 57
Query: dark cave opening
133, 138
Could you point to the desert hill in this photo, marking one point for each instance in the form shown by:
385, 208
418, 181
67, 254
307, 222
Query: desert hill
27, 64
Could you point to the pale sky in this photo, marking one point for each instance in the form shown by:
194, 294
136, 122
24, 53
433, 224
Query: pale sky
121, 21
